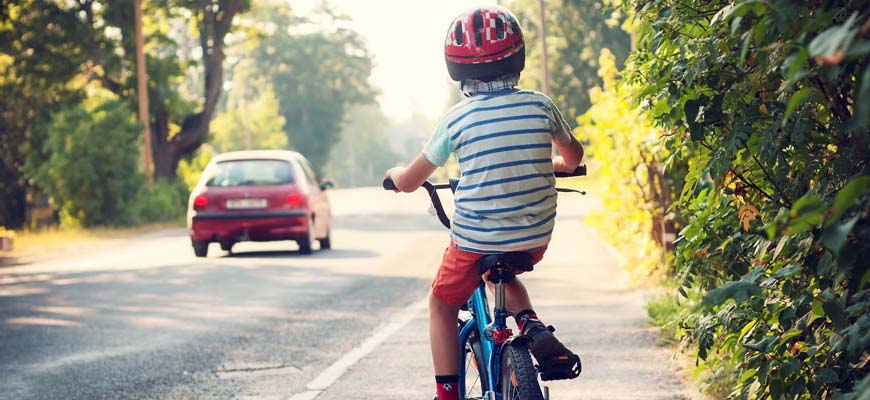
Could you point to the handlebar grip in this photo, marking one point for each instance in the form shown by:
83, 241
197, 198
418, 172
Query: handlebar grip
389, 185
579, 171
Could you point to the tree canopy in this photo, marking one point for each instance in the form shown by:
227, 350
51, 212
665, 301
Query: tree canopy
576, 32
316, 73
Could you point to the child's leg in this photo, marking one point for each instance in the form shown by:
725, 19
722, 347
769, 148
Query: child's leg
516, 297
443, 337
453, 284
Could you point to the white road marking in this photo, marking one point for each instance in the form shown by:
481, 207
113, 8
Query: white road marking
340, 366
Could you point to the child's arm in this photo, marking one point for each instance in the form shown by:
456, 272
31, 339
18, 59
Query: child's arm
570, 149
571, 155
408, 179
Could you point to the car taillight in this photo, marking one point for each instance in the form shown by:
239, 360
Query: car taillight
200, 202
295, 200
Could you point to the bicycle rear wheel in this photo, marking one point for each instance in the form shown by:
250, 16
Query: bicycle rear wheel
475, 368
519, 380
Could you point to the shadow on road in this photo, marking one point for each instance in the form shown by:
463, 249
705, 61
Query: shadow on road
322, 254
388, 222
144, 331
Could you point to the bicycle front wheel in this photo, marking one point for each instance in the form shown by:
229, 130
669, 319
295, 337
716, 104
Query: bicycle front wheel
519, 380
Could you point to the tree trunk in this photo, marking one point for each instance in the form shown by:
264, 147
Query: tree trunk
214, 25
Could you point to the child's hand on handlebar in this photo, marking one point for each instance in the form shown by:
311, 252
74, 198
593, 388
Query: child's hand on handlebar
393, 174
559, 165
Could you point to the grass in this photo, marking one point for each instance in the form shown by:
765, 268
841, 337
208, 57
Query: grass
63, 239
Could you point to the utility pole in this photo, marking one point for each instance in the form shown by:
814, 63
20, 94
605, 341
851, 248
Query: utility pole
142, 88
545, 74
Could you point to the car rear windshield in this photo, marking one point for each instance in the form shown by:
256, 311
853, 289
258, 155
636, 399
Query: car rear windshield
250, 173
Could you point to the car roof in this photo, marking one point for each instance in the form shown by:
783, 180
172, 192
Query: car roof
258, 155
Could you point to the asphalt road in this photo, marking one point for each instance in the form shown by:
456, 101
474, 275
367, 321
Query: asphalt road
144, 319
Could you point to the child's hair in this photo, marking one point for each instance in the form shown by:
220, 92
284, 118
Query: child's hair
484, 43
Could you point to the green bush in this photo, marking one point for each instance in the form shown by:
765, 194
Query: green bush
768, 104
91, 164
190, 170
161, 202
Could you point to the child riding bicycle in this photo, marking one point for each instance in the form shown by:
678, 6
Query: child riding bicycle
506, 197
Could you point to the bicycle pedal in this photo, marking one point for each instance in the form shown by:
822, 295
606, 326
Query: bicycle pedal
566, 366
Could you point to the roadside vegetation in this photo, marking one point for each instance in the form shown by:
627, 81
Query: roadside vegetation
732, 150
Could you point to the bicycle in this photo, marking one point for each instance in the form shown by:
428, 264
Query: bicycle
501, 361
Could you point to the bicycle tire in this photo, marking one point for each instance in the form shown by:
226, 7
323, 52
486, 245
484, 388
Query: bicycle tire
476, 383
519, 379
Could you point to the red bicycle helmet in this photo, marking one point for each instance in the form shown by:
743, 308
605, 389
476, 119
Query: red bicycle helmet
484, 43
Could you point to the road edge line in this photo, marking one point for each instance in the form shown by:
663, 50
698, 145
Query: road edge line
331, 374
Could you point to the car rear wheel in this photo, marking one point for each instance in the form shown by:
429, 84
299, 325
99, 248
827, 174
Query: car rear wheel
326, 243
227, 246
305, 244
200, 247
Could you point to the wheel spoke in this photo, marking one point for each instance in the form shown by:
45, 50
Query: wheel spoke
469, 362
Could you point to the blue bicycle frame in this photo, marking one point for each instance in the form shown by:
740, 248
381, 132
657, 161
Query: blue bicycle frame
486, 327
480, 321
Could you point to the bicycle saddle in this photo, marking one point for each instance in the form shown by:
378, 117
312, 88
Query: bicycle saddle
500, 267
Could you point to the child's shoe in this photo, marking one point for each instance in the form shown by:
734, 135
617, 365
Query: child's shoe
555, 361
544, 342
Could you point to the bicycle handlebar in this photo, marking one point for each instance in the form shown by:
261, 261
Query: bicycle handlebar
433, 196
579, 171
388, 184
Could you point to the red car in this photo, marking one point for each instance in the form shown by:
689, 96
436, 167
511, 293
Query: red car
261, 195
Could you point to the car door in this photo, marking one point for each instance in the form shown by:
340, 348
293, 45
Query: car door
319, 200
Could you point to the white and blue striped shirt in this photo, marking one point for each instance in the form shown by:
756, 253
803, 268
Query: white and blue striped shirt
506, 198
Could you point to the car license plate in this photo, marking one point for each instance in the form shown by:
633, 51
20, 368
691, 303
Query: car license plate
246, 203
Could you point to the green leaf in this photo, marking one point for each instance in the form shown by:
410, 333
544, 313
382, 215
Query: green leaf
862, 110
789, 270
661, 108
846, 197
835, 236
818, 309
740, 291
826, 375
779, 246
762, 345
732, 10
834, 310
752, 276
744, 50
747, 375
793, 333
806, 213
796, 100
797, 67
835, 39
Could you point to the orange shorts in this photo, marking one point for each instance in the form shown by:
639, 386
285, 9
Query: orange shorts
457, 277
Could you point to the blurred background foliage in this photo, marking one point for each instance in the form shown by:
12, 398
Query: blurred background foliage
223, 75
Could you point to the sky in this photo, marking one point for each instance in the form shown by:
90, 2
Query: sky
406, 38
